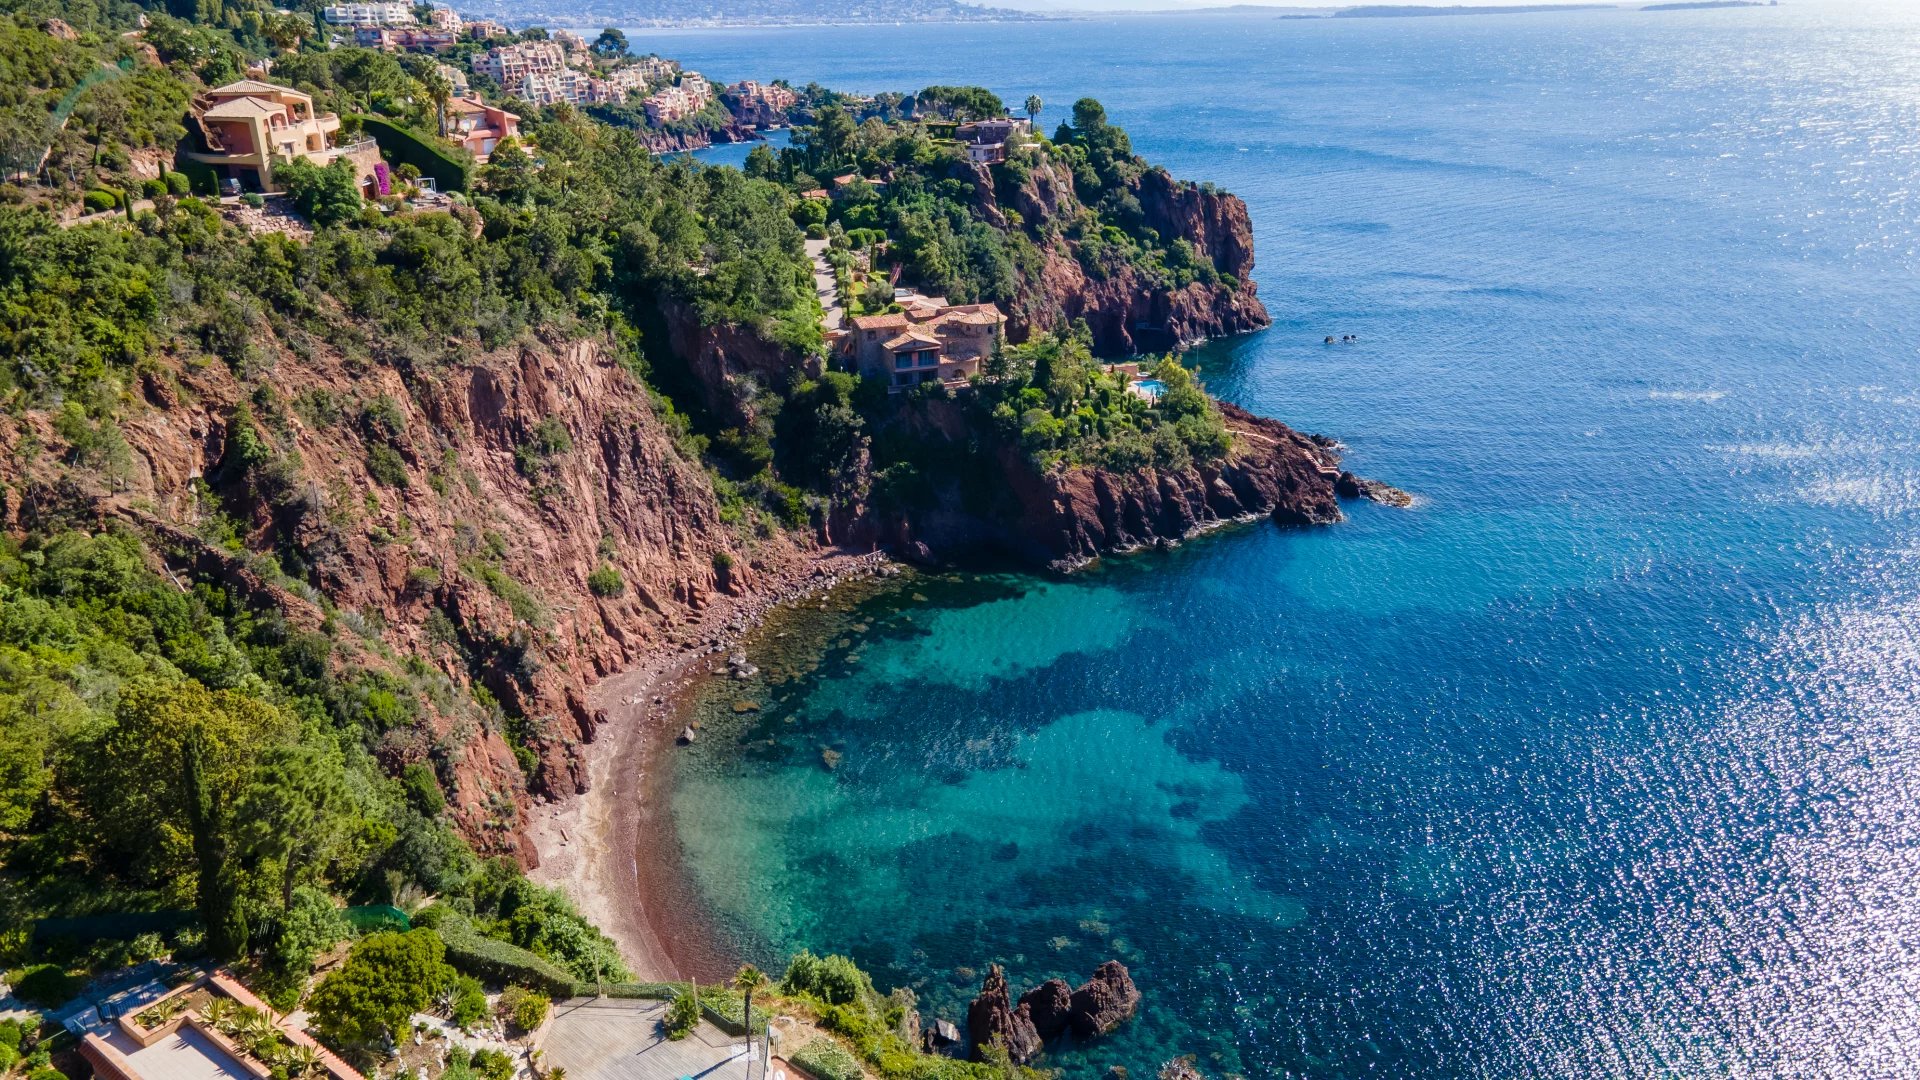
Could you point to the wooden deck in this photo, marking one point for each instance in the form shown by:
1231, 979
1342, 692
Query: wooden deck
609, 1039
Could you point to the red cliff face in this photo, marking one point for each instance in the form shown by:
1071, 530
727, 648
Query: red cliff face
1130, 309
501, 483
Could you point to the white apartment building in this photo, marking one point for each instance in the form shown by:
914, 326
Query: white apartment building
369, 15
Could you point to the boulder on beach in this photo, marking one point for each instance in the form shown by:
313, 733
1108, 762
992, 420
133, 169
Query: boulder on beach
687, 735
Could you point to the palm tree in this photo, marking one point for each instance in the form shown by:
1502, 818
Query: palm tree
1034, 105
747, 980
440, 90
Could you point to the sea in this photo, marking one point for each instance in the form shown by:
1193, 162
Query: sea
1601, 760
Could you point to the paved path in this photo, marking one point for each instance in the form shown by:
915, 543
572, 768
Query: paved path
617, 1039
824, 285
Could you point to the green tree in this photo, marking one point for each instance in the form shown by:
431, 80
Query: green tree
296, 811
327, 194
611, 42
388, 977
181, 754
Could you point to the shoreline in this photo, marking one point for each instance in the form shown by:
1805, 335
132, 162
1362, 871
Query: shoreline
612, 849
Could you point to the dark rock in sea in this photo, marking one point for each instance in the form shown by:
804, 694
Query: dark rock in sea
992, 1016
1116, 1072
1105, 1001
1181, 1068
1051, 1007
1350, 486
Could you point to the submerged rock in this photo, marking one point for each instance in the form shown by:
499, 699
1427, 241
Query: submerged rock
1181, 1068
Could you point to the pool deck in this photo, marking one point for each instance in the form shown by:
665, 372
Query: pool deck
620, 1039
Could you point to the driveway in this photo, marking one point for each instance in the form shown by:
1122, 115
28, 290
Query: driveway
824, 286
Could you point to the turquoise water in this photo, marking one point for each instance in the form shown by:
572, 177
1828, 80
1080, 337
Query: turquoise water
1600, 761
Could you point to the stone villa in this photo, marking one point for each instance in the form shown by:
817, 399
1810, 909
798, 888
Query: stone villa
930, 340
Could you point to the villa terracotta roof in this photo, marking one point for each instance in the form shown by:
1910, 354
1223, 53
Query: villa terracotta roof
890, 321
910, 338
253, 86
243, 108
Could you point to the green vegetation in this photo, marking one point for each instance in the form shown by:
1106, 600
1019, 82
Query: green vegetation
387, 979
524, 1009
606, 581
683, 1013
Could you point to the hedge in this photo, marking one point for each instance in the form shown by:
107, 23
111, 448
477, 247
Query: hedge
502, 962
201, 176
404, 147
827, 1060
123, 926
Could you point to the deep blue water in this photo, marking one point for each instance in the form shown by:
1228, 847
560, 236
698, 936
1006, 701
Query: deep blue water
1598, 762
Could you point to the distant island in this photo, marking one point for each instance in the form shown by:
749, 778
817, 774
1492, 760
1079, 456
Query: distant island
1703, 5
1404, 11
696, 13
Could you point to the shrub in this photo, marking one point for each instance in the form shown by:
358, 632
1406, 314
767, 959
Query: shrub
723, 561
423, 789
99, 200
46, 1072
254, 199
178, 184
11, 1035
423, 578
682, 1015
388, 978
9, 1057
816, 232
493, 1065
827, 1060
153, 189
833, 979
386, 466
526, 1009
606, 581
468, 1001
45, 984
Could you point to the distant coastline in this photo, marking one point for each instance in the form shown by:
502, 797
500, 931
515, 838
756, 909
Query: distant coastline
1406, 11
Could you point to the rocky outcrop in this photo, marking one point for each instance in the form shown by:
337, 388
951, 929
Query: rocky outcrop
1049, 1010
1128, 308
1103, 1002
676, 142
1349, 486
1067, 516
1050, 1006
992, 1018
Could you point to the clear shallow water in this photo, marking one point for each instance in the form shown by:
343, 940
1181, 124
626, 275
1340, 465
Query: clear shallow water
1601, 761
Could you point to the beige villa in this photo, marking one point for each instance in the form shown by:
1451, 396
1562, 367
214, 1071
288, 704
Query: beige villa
249, 126
927, 341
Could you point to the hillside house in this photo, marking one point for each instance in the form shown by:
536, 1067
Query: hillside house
479, 127
247, 126
928, 341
